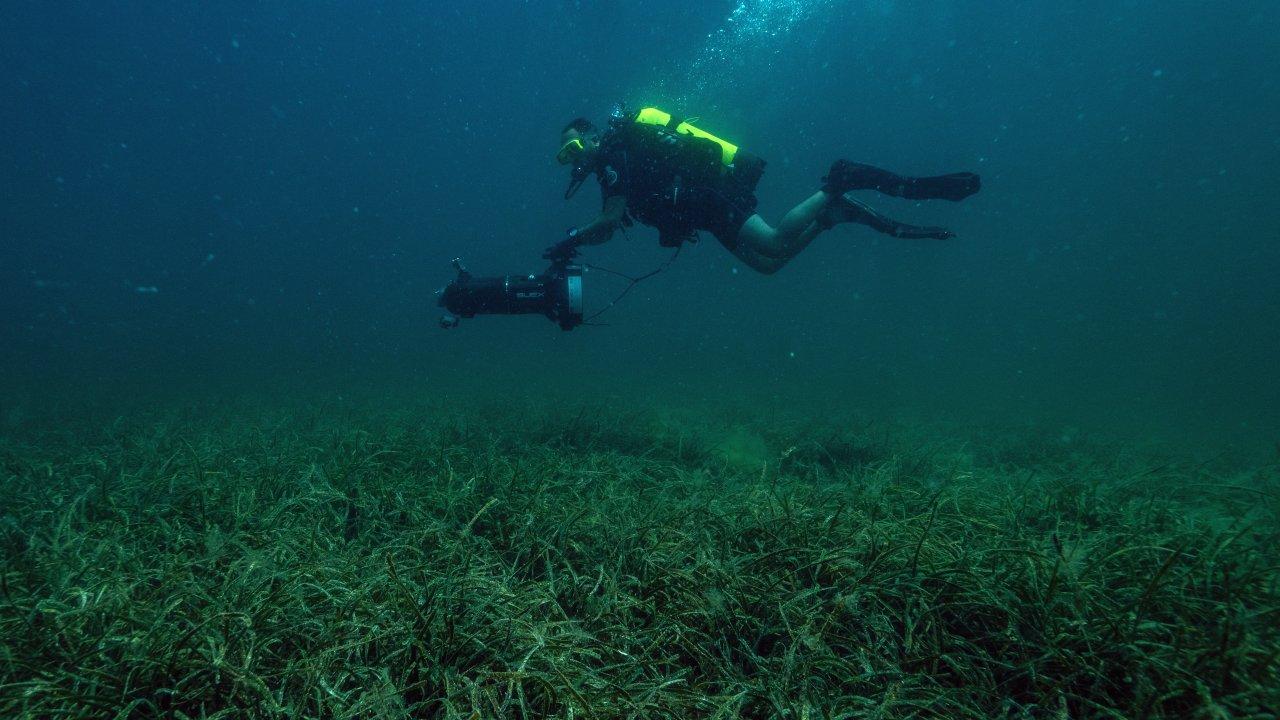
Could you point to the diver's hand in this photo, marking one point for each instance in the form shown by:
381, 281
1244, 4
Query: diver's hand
565, 248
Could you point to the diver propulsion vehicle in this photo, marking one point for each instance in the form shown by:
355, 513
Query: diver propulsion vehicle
556, 293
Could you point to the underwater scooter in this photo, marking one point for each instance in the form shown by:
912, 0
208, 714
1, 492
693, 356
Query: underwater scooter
556, 293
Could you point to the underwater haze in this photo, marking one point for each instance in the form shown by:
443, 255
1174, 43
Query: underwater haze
233, 197
1031, 472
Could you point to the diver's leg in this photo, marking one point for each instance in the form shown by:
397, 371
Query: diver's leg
758, 238
759, 263
801, 217
797, 229
845, 176
762, 264
754, 245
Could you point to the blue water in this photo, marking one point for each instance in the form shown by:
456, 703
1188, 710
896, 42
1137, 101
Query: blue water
211, 199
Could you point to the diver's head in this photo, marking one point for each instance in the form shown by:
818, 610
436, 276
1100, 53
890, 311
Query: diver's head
578, 143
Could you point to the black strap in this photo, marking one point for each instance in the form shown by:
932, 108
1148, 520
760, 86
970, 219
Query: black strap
634, 281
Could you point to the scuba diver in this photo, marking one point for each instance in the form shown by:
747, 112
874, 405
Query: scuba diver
667, 173
664, 172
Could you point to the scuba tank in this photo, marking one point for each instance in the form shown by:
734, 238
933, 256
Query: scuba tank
654, 116
678, 160
703, 153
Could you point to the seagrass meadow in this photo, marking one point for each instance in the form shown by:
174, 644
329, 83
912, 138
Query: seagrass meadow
286, 432
607, 563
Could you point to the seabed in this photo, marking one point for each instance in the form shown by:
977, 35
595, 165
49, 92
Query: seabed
604, 563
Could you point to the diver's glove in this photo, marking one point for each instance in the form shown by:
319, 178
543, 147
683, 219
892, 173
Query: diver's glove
566, 248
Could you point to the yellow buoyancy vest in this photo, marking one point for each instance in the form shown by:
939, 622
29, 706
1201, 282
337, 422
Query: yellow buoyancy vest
654, 116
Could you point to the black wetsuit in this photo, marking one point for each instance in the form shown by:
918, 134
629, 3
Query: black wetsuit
676, 184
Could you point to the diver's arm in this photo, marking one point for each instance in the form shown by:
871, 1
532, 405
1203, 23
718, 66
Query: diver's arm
601, 229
